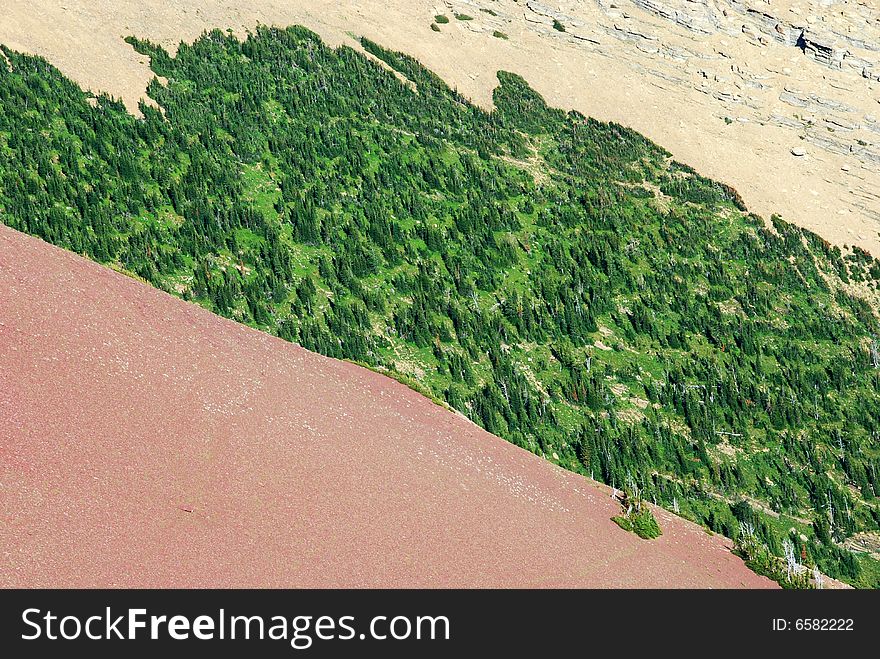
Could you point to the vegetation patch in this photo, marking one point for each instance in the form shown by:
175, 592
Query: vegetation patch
516, 264
637, 516
788, 572
642, 523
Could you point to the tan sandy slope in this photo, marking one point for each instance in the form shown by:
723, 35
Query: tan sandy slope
731, 87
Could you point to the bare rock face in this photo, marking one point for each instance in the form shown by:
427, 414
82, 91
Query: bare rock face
806, 67
700, 16
838, 34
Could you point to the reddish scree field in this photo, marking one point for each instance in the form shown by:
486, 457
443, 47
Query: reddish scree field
147, 442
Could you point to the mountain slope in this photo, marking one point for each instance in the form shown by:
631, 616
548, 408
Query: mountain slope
147, 442
730, 87
561, 281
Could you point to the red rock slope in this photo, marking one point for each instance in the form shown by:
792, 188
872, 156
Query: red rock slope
147, 442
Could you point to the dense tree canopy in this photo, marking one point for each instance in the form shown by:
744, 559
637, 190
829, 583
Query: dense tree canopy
559, 280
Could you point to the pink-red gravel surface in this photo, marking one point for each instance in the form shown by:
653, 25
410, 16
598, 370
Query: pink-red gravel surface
147, 442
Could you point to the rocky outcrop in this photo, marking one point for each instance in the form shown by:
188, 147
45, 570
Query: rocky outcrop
846, 39
820, 49
699, 17
805, 67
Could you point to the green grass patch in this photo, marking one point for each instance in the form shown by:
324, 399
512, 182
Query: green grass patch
642, 523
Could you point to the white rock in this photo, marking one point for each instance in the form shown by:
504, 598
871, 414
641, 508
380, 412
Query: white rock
799, 151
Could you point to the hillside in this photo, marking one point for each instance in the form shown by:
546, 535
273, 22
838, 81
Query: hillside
562, 282
730, 87
147, 442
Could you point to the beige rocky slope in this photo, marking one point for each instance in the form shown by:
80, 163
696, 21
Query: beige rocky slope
780, 99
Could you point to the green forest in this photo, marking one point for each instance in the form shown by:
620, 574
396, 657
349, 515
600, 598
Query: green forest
561, 281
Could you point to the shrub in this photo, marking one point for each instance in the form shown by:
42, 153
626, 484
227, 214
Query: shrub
441, 19
435, 27
464, 17
558, 26
642, 523
760, 560
499, 34
638, 518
